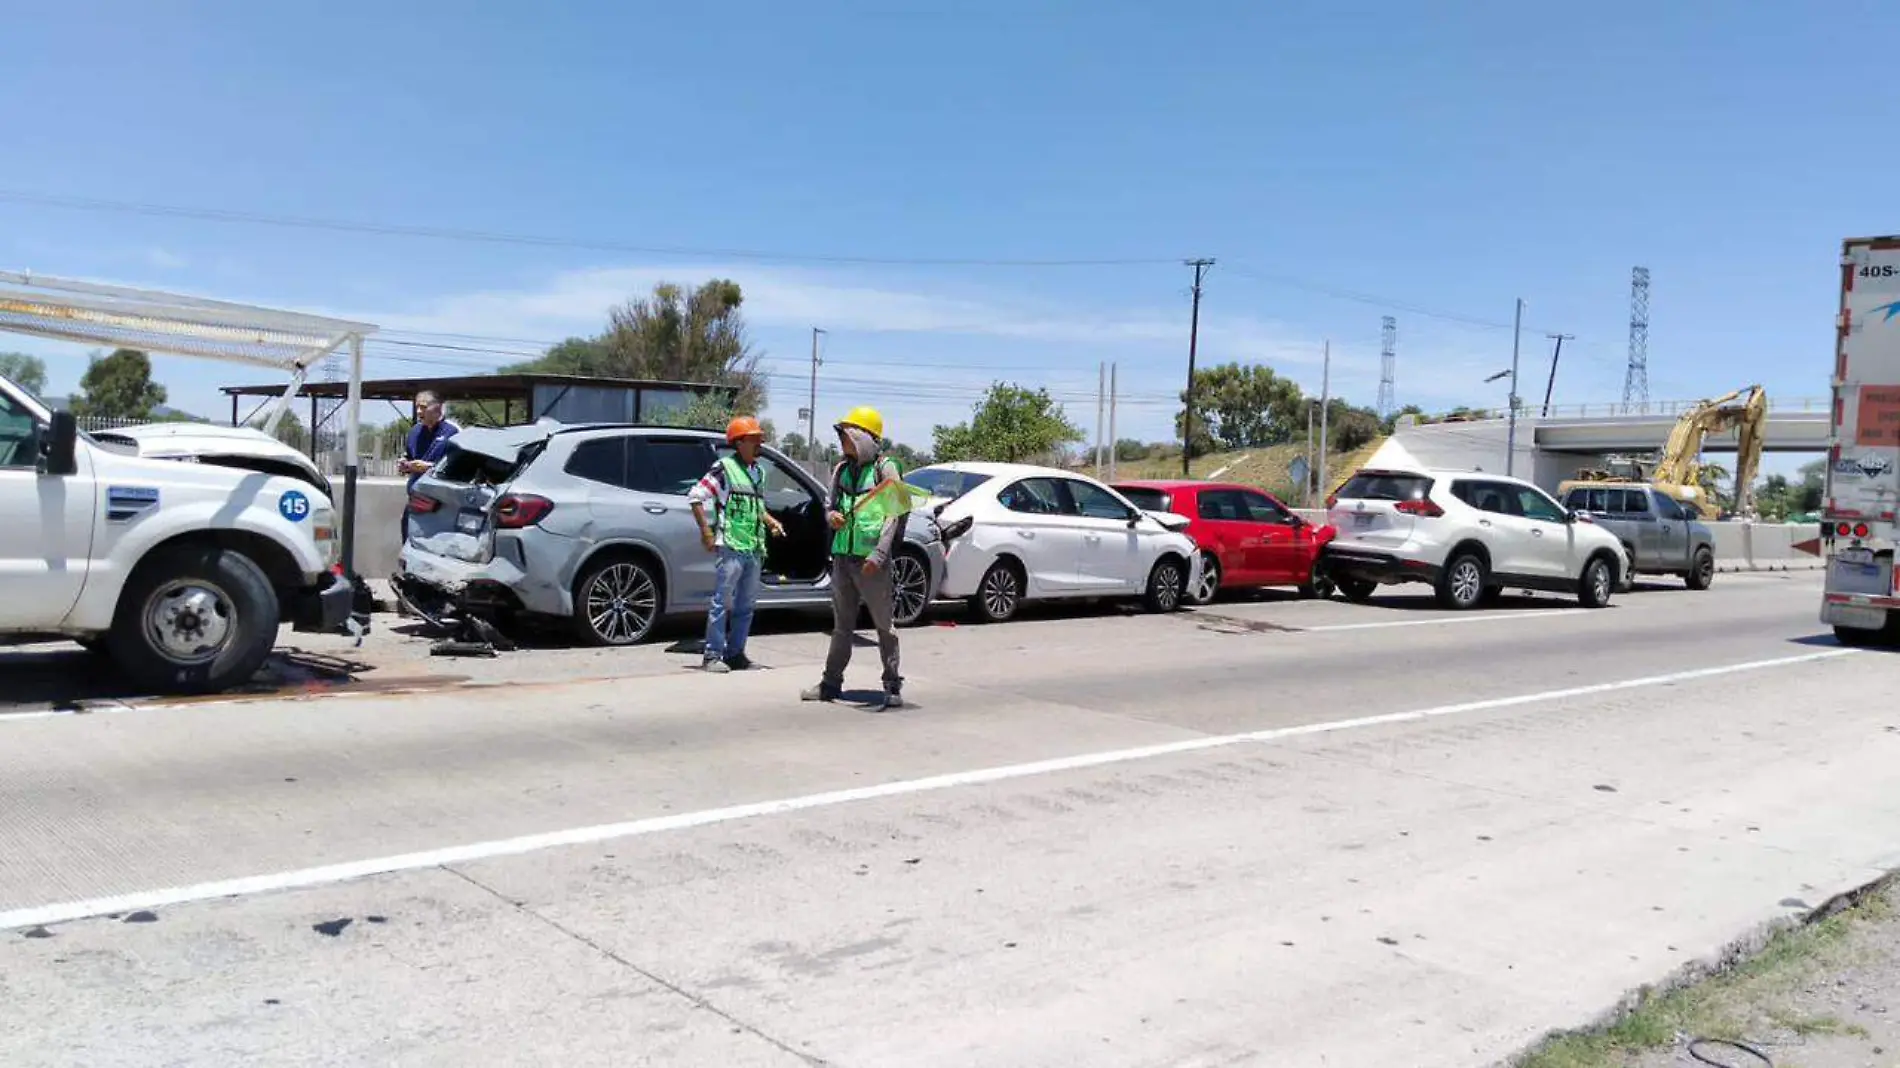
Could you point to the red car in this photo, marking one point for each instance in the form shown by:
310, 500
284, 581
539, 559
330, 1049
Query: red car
1247, 538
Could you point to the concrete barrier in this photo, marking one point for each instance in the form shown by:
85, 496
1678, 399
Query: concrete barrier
379, 505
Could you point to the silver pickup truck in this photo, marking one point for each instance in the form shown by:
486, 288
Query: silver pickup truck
1664, 538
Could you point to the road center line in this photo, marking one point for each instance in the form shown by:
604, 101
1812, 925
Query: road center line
330, 874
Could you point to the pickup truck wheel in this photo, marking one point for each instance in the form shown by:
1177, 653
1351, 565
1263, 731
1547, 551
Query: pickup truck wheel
1702, 572
194, 619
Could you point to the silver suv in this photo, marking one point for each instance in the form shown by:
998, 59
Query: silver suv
590, 523
1662, 536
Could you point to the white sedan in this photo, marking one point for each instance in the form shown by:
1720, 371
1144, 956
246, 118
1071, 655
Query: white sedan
1019, 533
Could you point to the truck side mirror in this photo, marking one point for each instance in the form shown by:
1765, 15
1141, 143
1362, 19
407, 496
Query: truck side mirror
59, 446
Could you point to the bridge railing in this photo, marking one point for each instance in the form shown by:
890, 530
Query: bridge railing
1606, 409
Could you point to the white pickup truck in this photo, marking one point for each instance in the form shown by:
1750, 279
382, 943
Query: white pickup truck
181, 572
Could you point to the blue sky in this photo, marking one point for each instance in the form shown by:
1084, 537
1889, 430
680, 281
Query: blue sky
1342, 161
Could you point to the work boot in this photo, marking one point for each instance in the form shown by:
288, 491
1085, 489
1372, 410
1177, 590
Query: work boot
820, 692
717, 667
739, 662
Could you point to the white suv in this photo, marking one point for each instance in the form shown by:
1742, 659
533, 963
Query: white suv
1470, 535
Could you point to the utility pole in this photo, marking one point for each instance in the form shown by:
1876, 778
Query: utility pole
1101, 407
1306, 490
1510, 434
1194, 337
812, 426
1114, 395
1325, 400
1554, 355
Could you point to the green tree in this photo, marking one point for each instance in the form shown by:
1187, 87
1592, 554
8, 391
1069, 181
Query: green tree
1129, 449
290, 429
1349, 427
119, 386
1391, 423
28, 372
1245, 406
672, 335
1009, 425
908, 459
1812, 487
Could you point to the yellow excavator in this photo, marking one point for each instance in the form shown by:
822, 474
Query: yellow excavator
1678, 472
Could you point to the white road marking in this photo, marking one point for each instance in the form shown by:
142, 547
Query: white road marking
329, 874
1439, 621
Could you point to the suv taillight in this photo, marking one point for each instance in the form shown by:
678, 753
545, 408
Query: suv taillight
516, 510
1421, 507
419, 503
1332, 499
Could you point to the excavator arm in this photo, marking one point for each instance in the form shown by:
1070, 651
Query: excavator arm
1679, 470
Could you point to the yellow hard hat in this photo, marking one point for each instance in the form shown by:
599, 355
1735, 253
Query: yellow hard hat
865, 418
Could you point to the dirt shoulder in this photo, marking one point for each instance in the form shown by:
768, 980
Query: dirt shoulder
1822, 995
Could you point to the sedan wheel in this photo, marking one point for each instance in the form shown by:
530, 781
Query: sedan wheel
1166, 585
1000, 593
1318, 584
910, 589
1208, 588
618, 603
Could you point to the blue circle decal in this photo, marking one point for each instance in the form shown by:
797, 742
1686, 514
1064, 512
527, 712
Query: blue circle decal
293, 506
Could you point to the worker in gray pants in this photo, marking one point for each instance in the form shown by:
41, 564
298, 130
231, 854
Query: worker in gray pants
861, 552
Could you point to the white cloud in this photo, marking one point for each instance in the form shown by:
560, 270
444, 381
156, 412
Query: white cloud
575, 302
164, 259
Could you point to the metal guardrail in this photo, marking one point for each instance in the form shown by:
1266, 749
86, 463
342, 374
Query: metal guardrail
1668, 408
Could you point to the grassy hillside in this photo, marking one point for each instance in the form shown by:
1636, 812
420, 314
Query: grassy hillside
1266, 468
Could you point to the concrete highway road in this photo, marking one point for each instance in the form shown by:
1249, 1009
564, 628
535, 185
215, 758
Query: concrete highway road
1274, 832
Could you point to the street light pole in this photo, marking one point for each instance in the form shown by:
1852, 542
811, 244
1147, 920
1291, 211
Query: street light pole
811, 427
1510, 435
1194, 336
1554, 356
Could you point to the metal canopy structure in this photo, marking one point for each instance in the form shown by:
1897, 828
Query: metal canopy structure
507, 398
151, 321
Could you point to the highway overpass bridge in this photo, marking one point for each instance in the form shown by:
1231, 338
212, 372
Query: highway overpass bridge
1799, 425
1553, 448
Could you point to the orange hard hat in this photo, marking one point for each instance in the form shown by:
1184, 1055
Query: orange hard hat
743, 426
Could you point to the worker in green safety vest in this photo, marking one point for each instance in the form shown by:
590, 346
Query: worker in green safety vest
737, 534
867, 513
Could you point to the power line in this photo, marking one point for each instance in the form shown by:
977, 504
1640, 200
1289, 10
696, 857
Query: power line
439, 233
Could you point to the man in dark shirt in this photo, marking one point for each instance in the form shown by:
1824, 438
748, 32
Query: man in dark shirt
426, 443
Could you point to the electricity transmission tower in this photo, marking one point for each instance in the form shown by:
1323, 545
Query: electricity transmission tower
1636, 377
1388, 360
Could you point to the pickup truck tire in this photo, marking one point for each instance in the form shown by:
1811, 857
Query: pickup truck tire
1701, 570
194, 619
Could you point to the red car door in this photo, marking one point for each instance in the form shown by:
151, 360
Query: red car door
1224, 528
1277, 555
